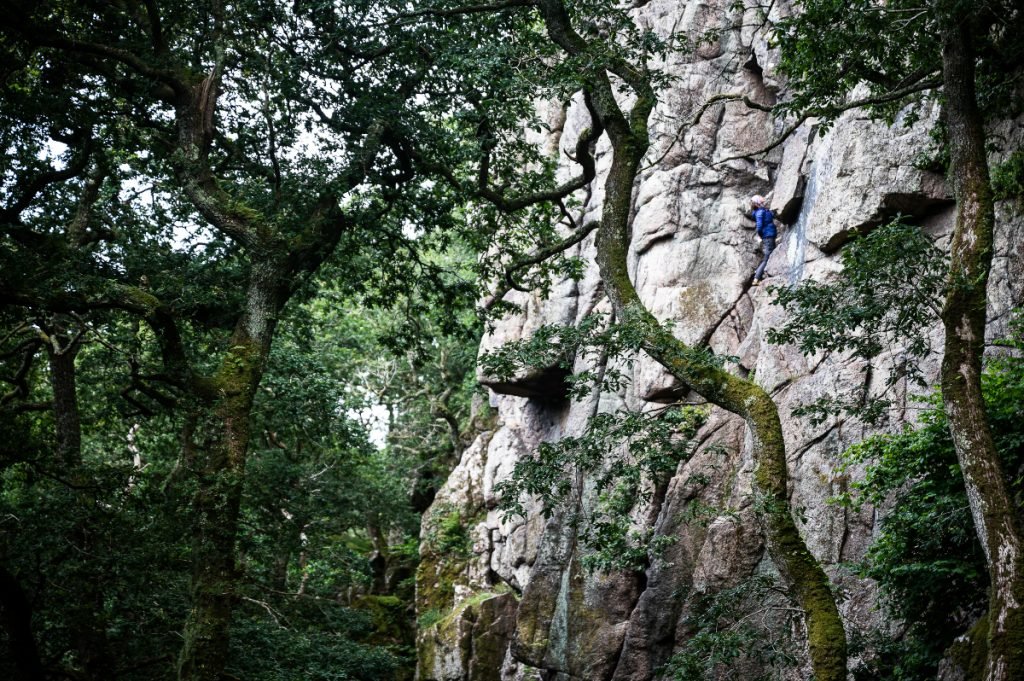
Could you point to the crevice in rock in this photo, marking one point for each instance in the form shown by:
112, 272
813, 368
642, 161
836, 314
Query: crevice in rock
471, 616
669, 395
791, 210
913, 206
653, 241
777, 390
495, 578
751, 65
798, 454
710, 333
547, 385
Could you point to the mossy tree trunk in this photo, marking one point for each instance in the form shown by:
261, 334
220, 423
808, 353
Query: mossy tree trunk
963, 316
628, 133
85, 605
217, 464
222, 402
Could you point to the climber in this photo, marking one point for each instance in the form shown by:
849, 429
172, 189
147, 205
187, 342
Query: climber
765, 232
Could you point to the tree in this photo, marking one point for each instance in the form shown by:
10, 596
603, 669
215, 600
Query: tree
970, 53
181, 171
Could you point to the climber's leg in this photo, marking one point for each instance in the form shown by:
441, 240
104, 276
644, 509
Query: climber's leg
767, 246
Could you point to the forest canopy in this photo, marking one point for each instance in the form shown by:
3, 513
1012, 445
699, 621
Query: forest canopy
249, 252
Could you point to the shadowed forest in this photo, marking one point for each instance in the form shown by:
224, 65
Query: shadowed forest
525, 340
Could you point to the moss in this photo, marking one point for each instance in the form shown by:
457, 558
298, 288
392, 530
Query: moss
476, 628
429, 618
970, 652
239, 367
436, 577
388, 618
140, 298
448, 535
470, 604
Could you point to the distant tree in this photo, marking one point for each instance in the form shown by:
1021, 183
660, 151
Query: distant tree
177, 174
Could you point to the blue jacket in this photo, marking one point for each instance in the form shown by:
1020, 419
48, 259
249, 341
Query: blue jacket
765, 225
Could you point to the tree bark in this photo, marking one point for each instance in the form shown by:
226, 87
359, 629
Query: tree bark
225, 400
66, 415
963, 316
85, 606
801, 572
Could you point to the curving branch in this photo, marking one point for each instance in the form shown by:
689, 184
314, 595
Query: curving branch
535, 258
48, 38
628, 133
833, 111
19, 381
31, 187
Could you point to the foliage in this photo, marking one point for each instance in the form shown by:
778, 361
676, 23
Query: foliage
447, 533
1008, 178
627, 455
216, 213
927, 559
935, 157
735, 631
612, 347
884, 299
322, 649
895, 51
313, 491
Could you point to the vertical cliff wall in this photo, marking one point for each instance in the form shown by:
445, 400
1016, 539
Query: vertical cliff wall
509, 600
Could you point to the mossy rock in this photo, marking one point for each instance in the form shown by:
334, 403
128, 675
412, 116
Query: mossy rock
969, 653
389, 618
470, 641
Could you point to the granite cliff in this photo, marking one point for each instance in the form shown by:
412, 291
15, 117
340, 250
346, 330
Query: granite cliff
509, 599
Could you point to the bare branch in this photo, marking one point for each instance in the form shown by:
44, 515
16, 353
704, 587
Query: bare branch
535, 258
830, 111
725, 98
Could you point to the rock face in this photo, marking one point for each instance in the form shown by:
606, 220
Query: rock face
509, 599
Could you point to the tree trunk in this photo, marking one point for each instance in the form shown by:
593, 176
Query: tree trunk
630, 141
218, 463
65, 400
16, 620
801, 572
85, 606
963, 316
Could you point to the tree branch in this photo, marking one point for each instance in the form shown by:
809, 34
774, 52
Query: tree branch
38, 183
46, 38
465, 10
832, 111
535, 258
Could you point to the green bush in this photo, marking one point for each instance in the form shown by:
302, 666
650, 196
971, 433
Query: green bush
927, 559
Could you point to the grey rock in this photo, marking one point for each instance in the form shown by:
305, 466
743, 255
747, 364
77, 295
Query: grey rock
691, 258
